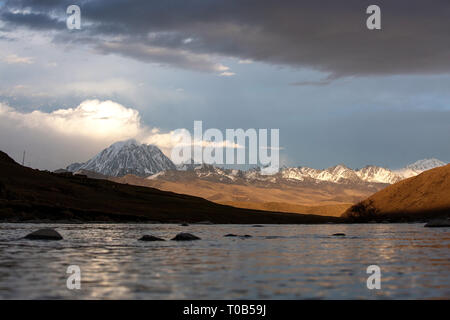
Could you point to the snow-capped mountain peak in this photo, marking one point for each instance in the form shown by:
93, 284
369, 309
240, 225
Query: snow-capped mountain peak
127, 157
425, 164
378, 175
418, 167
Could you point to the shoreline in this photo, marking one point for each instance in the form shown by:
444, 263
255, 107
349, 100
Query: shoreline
206, 223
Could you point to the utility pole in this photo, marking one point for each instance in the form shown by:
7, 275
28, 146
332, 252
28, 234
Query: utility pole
23, 158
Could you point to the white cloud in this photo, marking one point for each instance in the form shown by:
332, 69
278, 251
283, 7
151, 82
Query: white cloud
15, 59
245, 61
227, 74
63, 136
221, 67
58, 138
92, 118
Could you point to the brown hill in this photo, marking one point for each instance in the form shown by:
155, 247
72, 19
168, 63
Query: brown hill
422, 197
334, 210
27, 194
328, 199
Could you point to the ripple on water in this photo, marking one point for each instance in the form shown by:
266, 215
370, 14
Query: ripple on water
277, 262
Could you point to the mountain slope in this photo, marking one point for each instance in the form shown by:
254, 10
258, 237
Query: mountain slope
423, 196
126, 157
27, 194
299, 190
305, 190
254, 191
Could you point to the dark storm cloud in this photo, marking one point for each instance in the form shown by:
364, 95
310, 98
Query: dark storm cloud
326, 35
32, 20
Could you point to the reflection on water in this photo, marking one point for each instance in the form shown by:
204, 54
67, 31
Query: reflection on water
278, 262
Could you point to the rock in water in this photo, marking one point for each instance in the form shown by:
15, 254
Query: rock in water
44, 234
236, 235
339, 234
438, 223
150, 238
185, 237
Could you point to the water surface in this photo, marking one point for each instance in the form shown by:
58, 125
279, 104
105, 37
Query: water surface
278, 262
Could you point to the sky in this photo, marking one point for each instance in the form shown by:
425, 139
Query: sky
337, 91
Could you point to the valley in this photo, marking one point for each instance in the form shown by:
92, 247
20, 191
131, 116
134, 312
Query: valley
327, 192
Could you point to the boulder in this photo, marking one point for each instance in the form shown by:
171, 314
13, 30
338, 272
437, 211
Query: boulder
44, 234
147, 237
185, 237
237, 235
438, 223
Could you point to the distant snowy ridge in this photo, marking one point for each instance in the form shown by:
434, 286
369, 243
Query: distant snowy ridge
426, 164
341, 174
338, 174
419, 167
375, 174
127, 157
132, 157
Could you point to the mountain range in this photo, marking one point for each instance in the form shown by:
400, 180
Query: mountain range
343, 174
32, 195
131, 157
328, 191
